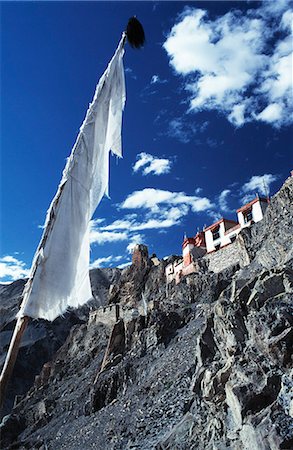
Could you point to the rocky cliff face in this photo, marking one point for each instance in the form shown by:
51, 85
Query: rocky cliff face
208, 367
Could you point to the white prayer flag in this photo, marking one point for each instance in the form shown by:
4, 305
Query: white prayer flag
59, 276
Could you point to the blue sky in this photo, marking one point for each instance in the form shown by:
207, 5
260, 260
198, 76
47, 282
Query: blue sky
207, 122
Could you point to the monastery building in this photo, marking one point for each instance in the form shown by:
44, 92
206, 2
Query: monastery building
213, 238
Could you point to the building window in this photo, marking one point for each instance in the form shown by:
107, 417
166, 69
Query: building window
216, 233
247, 215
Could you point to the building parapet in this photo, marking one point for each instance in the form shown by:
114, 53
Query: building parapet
110, 314
252, 202
231, 230
214, 225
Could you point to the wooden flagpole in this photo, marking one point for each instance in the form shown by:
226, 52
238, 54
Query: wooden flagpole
12, 355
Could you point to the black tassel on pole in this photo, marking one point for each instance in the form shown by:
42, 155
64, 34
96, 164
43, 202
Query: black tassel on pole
135, 33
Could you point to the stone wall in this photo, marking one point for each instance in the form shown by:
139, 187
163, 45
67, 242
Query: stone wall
224, 257
107, 315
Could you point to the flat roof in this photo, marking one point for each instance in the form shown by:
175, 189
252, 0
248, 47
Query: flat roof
218, 223
230, 230
255, 200
187, 241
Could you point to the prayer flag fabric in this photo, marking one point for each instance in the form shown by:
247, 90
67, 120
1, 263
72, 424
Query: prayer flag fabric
59, 275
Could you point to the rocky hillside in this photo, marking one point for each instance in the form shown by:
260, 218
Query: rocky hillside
42, 339
207, 366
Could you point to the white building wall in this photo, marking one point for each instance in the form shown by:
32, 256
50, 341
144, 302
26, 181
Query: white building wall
233, 233
209, 241
187, 249
225, 240
258, 210
169, 271
178, 267
241, 219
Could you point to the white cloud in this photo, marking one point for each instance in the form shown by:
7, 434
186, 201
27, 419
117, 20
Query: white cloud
96, 222
130, 72
281, 74
272, 113
105, 261
146, 198
239, 64
156, 210
158, 166
123, 265
12, 269
155, 223
178, 129
151, 164
142, 160
247, 198
165, 219
150, 198
120, 224
159, 210
134, 240
215, 215
237, 114
118, 231
164, 209
101, 237
157, 80
274, 9
183, 129
10, 259
259, 183
287, 20
223, 204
